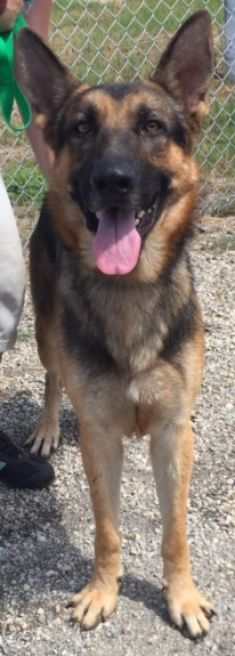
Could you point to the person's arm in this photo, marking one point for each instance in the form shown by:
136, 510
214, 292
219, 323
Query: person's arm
38, 19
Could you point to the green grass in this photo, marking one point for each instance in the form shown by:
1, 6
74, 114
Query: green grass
128, 35
217, 151
25, 335
122, 40
24, 183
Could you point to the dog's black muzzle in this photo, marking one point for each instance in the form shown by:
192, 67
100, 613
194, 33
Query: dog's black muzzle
112, 182
120, 181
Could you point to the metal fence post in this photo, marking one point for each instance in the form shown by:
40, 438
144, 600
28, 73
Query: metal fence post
229, 34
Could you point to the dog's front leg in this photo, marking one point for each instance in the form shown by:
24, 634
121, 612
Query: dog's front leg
172, 455
102, 457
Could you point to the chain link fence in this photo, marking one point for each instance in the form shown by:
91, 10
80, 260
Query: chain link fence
109, 39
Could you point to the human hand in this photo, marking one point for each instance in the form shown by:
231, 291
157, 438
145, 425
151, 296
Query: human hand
9, 10
12, 5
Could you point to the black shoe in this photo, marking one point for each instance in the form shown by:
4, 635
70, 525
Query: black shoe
18, 469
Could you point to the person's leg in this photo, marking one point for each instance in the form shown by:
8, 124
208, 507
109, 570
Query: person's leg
17, 468
12, 273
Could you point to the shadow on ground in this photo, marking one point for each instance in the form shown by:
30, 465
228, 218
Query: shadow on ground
19, 416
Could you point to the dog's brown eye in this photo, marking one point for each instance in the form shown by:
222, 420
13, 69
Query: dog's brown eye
82, 128
152, 126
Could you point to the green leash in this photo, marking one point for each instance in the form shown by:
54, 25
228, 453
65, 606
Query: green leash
9, 89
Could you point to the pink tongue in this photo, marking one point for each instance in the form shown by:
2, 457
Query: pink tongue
117, 242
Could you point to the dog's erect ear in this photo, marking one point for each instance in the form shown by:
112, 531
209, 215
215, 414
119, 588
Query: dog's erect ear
186, 65
43, 78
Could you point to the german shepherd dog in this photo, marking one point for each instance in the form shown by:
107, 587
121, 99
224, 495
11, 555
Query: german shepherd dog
117, 320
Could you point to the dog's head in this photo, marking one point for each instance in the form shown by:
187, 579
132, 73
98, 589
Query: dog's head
123, 151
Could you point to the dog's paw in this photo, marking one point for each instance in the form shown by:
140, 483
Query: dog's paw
189, 609
94, 604
44, 439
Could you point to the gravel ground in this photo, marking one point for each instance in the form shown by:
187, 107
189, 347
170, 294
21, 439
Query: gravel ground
46, 537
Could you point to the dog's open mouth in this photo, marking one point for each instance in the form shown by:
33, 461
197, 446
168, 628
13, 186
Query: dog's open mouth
145, 219
118, 238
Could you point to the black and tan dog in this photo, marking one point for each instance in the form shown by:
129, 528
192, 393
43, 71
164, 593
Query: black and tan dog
117, 319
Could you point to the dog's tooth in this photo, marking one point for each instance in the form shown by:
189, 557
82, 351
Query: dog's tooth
137, 221
140, 214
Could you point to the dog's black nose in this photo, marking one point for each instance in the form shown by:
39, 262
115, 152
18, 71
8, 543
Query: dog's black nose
113, 180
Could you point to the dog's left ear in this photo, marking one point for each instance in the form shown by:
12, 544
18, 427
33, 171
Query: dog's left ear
45, 81
186, 65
